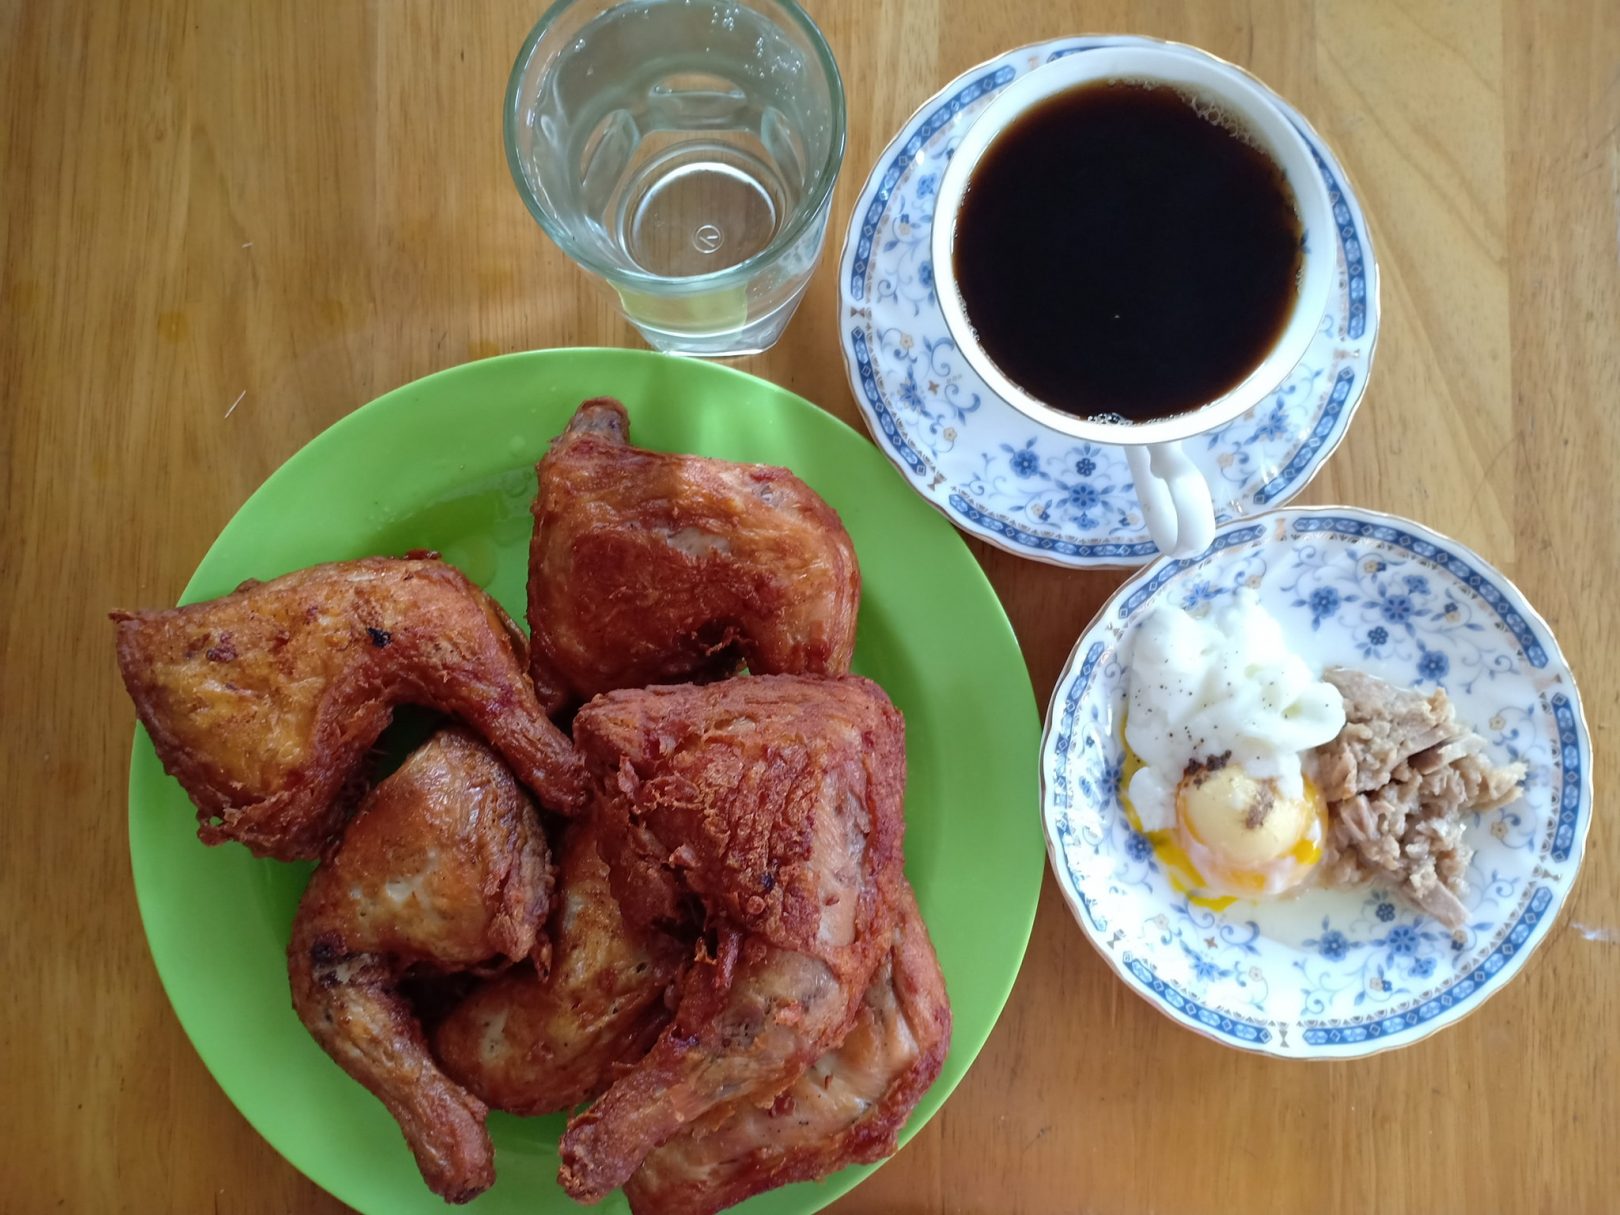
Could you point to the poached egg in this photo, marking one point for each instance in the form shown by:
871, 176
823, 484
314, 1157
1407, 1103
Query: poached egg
1220, 713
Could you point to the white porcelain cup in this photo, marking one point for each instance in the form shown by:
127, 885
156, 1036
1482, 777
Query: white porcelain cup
1176, 503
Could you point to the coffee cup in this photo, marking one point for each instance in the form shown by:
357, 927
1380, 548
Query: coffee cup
1177, 506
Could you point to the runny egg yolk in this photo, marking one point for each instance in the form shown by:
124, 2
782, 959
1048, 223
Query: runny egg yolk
1243, 835
1213, 855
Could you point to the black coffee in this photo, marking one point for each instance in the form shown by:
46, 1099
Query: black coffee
1118, 252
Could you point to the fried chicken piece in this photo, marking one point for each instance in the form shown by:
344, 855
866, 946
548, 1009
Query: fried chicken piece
649, 568
776, 803
847, 1108
443, 869
264, 703
532, 1043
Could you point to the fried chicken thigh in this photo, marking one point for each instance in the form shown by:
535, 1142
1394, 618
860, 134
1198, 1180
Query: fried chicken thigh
776, 804
443, 869
651, 568
532, 1042
263, 703
847, 1108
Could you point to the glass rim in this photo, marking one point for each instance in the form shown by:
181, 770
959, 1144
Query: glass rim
804, 214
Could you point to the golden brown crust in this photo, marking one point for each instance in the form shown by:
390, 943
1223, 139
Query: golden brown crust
264, 702
652, 568
536, 1041
847, 1107
776, 805
443, 869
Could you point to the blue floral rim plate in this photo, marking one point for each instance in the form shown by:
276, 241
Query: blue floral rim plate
1006, 478
1330, 974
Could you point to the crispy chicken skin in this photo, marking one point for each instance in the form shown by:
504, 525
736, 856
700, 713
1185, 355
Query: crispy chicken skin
774, 803
443, 869
847, 1108
264, 703
651, 568
535, 1041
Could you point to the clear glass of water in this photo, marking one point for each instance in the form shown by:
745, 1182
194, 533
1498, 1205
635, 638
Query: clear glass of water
684, 152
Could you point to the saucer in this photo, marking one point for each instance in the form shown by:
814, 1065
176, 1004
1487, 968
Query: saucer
1330, 973
1005, 478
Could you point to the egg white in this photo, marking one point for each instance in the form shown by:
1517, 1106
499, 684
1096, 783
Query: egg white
1225, 689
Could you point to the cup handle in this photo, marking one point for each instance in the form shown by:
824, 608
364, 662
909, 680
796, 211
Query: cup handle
1175, 498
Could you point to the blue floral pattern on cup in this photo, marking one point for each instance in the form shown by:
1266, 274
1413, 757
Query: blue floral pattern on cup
1006, 478
1330, 973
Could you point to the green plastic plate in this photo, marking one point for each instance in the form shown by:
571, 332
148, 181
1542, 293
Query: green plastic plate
447, 463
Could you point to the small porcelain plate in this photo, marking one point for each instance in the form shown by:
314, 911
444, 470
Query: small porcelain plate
1005, 478
1330, 974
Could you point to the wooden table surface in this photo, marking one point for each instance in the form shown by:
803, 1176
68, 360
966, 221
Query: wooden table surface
291, 207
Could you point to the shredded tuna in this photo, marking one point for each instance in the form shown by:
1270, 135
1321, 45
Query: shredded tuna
1398, 781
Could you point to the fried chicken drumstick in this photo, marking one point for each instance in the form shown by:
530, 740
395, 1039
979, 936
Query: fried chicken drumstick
651, 568
536, 1041
263, 703
443, 869
847, 1108
775, 802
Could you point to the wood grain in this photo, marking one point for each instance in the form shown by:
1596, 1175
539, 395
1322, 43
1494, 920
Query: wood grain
226, 225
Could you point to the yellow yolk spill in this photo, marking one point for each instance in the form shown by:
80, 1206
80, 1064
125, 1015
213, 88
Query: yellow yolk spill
1306, 851
1178, 866
1185, 876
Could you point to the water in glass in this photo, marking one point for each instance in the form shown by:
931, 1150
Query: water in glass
670, 141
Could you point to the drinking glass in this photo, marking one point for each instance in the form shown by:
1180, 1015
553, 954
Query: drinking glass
684, 153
